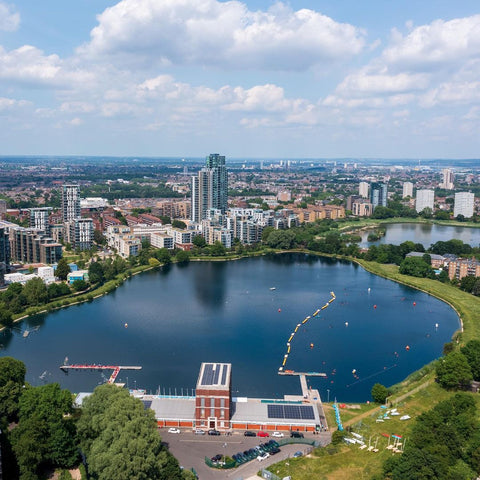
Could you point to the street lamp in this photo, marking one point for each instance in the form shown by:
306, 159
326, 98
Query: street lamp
328, 395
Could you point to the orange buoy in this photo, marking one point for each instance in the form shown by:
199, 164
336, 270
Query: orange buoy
414, 304
311, 345
374, 306
126, 325
407, 348
279, 310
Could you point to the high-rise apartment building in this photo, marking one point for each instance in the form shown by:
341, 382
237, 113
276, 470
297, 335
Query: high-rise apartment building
447, 179
70, 202
424, 199
378, 194
3, 209
210, 188
79, 233
363, 189
39, 218
463, 205
407, 190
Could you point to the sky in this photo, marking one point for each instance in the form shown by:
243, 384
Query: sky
247, 79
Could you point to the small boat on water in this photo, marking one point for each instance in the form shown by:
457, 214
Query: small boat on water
26, 333
273, 288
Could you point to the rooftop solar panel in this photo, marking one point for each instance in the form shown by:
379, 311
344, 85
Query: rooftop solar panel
207, 376
275, 411
307, 413
217, 373
292, 411
224, 374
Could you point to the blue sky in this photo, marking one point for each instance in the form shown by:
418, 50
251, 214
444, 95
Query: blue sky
305, 78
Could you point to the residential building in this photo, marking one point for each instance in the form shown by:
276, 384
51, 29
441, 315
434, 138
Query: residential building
363, 189
33, 246
79, 233
362, 208
210, 188
39, 218
3, 209
424, 199
77, 275
407, 190
70, 202
378, 194
447, 179
121, 238
463, 205
461, 267
162, 240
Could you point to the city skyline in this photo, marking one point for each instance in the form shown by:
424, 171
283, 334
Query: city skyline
251, 79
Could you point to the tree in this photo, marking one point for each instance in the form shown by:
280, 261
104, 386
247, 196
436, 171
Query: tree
120, 438
35, 291
179, 224
12, 379
99, 238
454, 372
6, 316
63, 269
199, 241
182, 256
217, 249
467, 283
472, 353
284, 239
416, 267
79, 285
96, 273
163, 256
379, 393
46, 433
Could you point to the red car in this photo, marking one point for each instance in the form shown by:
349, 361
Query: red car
262, 434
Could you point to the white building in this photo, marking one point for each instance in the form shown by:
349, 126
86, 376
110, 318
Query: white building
424, 199
464, 202
123, 240
407, 190
363, 189
39, 218
79, 233
447, 179
162, 240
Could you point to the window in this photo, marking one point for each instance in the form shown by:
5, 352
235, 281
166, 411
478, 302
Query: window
212, 412
212, 402
202, 402
222, 402
202, 412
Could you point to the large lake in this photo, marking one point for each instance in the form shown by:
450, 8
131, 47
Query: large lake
423, 233
180, 316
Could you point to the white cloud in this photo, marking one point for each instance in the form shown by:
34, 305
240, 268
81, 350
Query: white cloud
29, 65
10, 103
440, 44
9, 20
226, 34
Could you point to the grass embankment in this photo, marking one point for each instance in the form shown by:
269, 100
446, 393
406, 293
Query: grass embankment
344, 462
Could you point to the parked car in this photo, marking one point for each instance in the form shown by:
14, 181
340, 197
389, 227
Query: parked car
274, 450
262, 434
173, 430
297, 454
213, 432
199, 431
278, 434
296, 434
216, 458
263, 457
249, 433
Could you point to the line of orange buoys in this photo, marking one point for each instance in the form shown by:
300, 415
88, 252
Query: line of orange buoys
305, 320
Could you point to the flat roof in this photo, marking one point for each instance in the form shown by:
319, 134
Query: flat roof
214, 376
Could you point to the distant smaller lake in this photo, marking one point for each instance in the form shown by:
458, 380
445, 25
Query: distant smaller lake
423, 233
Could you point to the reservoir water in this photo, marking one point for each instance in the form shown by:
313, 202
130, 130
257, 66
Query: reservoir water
423, 233
242, 312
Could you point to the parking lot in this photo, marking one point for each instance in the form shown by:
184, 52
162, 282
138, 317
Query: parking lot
191, 450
